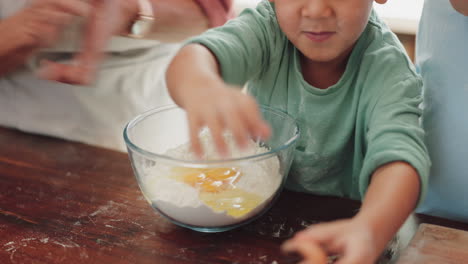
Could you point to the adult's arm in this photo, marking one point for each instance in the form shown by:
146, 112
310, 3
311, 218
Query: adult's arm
175, 20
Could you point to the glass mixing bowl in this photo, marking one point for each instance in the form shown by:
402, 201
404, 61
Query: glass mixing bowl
210, 194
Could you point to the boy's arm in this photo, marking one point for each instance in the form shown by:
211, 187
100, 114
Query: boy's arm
391, 197
396, 166
210, 102
205, 77
207, 71
392, 187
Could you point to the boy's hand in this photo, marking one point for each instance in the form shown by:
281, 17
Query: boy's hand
223, 108
352, 240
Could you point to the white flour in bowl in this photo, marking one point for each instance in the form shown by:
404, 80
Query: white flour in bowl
221, 202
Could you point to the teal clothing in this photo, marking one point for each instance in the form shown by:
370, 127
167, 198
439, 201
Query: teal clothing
367, 119
442, 45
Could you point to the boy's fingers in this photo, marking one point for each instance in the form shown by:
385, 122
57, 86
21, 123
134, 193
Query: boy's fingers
351, 258
263, 130
288, 246
238, 128
194, 129
324, 235
311, 251
256, 125
216, 130
356, 253
321, 232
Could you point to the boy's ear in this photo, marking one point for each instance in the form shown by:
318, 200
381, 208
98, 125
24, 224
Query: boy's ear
381, 1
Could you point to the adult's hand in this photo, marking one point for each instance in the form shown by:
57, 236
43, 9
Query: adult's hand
218, 11
109, 17
36, 26
461, 6
175, 20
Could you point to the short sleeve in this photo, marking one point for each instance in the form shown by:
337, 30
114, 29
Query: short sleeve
244, 45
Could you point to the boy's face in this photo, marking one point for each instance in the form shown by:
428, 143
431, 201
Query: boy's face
323, 30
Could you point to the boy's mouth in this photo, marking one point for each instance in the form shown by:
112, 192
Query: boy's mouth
319, 36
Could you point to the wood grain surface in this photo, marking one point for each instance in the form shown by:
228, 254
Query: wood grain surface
436, 244
66, 202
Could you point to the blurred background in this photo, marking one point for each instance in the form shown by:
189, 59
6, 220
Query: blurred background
401, 15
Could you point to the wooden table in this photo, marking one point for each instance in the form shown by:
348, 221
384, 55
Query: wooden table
65, 202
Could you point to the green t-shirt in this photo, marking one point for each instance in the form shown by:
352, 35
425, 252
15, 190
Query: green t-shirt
367, 119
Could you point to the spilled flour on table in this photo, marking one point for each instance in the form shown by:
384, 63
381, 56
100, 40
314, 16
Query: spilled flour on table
25, 245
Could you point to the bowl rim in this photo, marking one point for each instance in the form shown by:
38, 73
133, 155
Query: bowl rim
153, 155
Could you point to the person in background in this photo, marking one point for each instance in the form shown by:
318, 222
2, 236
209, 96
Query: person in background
442, 59
344, 76
112, 17
117, 78
36, 26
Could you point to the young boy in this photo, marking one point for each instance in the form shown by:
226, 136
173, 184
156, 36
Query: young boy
344, 76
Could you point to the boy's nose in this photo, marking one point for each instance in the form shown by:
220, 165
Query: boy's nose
316, 9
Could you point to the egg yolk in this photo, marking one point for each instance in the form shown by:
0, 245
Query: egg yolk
208, 180
235, 202
217, 189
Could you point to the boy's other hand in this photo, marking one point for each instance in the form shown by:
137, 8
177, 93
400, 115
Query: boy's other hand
223, 108
351, 240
